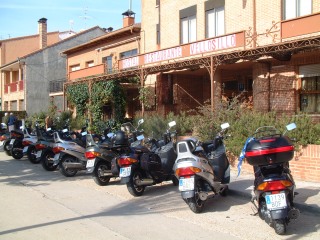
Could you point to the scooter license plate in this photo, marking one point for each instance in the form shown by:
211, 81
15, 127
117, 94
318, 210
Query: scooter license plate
90, 163
186, 184
12, 141
39, 154
125, 172
276, 201
25, 149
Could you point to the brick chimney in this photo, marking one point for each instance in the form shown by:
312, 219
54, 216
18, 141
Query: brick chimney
42, 30
128, 18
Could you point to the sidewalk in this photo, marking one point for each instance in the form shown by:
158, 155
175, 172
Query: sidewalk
308, 198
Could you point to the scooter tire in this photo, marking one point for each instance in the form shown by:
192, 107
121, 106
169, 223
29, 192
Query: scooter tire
279, 226
133, 189
46, 164
98, 179
31, 154
16, 153
224, 192
63, 170
175, 181
196, 205
6, 148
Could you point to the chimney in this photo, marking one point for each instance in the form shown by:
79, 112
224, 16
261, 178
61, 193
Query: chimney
42, 30
128, 18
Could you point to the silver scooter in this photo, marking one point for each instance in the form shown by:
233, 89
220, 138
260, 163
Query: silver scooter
203, 169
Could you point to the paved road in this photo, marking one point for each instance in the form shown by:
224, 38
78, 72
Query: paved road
37, 204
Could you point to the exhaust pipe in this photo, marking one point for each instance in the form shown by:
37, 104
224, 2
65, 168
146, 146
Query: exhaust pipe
293, 213
106, 174
144, 182
206, 195
76, 166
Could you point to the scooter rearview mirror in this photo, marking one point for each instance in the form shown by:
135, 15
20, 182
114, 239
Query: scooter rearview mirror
140, 137
110, 135
171, 124
140, 121
291, 126
225, 125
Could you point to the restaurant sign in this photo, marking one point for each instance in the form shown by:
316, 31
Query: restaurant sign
192, 49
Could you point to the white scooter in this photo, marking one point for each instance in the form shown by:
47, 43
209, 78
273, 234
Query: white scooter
203, 170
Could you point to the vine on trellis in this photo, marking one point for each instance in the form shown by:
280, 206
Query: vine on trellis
78, 95
107, 92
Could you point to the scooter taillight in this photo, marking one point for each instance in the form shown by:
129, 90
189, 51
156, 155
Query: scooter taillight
92, 154
3, 137
187, 171
40, 146
57, 149
126, 160
26, 143
274, 185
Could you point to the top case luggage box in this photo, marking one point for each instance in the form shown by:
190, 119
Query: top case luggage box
266, 151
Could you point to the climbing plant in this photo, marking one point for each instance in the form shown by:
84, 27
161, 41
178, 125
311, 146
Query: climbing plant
107, 92
78, 95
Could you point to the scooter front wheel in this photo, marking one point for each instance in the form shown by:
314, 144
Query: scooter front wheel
134, 189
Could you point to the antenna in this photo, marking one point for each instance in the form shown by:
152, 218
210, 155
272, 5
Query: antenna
85, 17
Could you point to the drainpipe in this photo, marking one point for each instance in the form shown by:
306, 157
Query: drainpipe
254, 25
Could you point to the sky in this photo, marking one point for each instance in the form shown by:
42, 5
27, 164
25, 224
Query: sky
20, 17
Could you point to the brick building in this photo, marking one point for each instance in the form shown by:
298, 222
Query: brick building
201, 50
98, 60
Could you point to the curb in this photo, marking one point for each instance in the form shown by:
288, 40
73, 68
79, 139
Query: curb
301, 206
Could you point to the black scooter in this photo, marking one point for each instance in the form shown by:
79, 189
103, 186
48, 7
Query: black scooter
144, 167
269, 152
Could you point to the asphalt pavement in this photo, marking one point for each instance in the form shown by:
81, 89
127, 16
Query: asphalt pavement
307, 198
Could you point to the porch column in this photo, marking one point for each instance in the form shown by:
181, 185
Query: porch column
261, 87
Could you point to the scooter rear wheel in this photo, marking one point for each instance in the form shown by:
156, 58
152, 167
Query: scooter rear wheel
279, 226
31, 153
67, 172
46, 161
133, 189
98, 179
6, 148
195, 203
16, 153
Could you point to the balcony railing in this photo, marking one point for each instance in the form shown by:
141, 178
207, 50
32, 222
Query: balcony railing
300, 26
13, 87
86, 72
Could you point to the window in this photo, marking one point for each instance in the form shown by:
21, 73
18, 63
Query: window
108, 61
130, 53
310, 94
74, 67
296, 8
188, 25
215, 22
90, 64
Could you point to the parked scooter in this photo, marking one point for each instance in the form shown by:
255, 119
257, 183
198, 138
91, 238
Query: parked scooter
24, 146
203, 170
269, 152
102, 156
146, 168
71, 154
